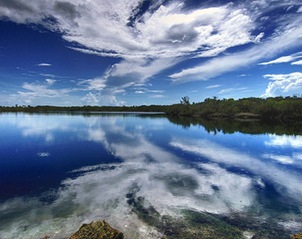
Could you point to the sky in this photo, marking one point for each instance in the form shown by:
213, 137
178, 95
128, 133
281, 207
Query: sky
142, 52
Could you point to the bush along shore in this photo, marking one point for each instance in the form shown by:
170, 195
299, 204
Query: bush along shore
277, 108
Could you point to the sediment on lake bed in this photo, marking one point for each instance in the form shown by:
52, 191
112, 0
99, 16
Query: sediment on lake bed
195, 225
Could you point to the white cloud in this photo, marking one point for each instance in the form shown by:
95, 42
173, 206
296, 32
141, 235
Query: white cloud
283, 159
158, 96
283, 84
159, 38
139, 92
43, 154
94, 84
213, 86
284, 59
100, 93
164, 31
35, 90
297, 156
38, 91
297, 63
50, 81
104, 29
91, 99
94, 52
290, 37
284, 141
230, 90
185, 32
259, 37
137, 71
44, 64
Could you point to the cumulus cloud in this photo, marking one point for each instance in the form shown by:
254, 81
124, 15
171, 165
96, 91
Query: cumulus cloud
283, 84
284, 141
91, 99
100, 93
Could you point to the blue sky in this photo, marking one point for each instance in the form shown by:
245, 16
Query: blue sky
134, 52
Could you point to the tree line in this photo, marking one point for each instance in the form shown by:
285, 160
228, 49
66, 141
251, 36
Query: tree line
280, 108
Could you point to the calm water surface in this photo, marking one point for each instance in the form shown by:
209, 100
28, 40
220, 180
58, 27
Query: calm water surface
144, 174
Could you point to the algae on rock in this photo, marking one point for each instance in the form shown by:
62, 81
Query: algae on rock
97, 230
297, 236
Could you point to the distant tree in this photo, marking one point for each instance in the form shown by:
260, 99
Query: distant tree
185, 100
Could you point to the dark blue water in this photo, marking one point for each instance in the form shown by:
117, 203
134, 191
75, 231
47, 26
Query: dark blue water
59, 171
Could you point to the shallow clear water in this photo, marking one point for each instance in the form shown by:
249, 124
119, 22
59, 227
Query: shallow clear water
135, 171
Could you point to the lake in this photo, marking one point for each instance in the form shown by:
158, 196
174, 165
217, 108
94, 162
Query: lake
148, 176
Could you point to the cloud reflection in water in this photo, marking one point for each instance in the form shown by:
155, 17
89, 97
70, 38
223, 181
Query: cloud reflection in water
162, 178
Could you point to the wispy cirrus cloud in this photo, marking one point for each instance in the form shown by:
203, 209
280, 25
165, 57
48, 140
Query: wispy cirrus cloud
297, 62
284, 59
44, 64
213, 86
231, 90
157, 96
219, 65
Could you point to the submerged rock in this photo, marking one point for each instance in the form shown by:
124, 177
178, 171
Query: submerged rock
297, 236
97, 230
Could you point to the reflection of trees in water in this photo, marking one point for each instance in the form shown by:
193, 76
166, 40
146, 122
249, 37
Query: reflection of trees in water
228, 126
